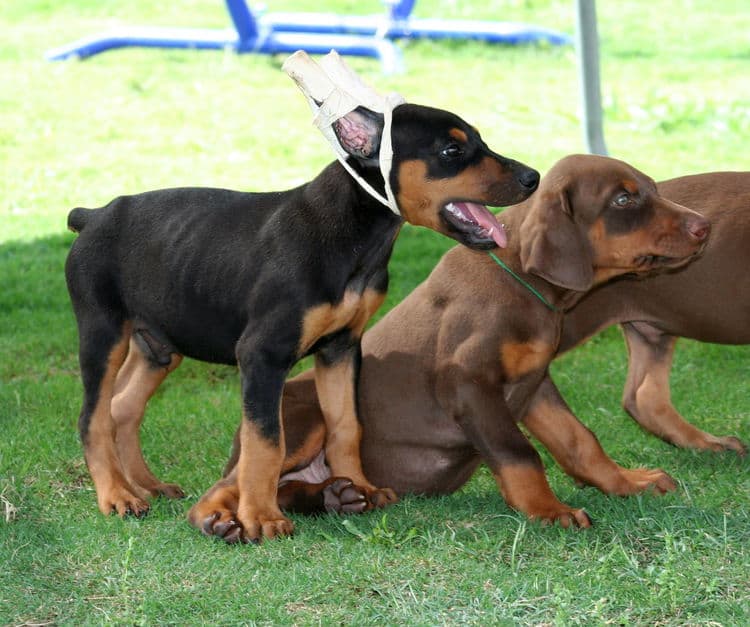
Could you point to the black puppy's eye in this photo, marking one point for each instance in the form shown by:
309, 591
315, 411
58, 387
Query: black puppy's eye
451, 151
622, 200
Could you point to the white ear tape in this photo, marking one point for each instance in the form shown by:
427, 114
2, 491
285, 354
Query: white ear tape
339, 90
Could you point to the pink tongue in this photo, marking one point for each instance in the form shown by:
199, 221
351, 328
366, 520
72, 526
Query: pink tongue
488, 221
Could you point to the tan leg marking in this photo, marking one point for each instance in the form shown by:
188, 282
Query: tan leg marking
136, 382
336, 394
525, 488
242, 506
258, 471
336, 391
335, 386
113, 491
580, 455
335, 383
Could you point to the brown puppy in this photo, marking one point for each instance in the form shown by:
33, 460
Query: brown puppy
448, 373
707, 301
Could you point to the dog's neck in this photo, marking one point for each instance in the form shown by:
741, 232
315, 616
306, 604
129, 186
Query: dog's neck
371, 175
334, 187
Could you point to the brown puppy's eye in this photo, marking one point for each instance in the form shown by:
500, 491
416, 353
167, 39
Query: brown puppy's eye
622, 200
451, 151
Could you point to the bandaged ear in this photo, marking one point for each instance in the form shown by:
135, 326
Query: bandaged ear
552, 244
359, 133
352, 116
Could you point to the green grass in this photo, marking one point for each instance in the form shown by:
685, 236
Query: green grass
80, 133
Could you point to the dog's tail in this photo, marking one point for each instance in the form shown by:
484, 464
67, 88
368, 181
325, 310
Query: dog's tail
78, 218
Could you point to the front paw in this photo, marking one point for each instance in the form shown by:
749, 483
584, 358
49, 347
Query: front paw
122, 500
566, 517
640, 480
215, 514
381, 497
227, 525
168, 490
723, 443
260, 525
221, 524
646, 479
342, 496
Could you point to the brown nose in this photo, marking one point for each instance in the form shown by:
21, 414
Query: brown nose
699, 229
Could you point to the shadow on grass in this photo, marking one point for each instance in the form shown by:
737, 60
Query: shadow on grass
38, 338
32, 284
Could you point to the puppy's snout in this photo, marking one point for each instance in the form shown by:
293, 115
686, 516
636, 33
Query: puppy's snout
699, 229
529, 179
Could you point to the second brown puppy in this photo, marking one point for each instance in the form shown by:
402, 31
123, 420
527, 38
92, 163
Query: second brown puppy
448, 373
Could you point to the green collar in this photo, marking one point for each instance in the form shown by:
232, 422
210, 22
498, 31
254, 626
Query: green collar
528, 286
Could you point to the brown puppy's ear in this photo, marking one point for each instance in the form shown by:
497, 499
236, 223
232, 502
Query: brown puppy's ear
552, 245
359, 133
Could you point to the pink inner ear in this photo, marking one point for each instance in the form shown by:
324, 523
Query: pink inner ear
355, 134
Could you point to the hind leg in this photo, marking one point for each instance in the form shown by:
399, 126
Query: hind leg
647, 396
136, 382
103, 348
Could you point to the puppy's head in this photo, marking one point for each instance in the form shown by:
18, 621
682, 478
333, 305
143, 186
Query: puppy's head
443, 175
595, 218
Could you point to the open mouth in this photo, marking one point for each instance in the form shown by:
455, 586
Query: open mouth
474, 225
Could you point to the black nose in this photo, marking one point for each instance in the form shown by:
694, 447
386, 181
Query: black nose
529, 179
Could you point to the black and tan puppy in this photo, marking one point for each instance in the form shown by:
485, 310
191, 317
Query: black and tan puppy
261, 280
449, 373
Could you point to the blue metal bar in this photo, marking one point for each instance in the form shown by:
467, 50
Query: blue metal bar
402, 9
273, 33
246, 36
146, 36
202, 39
397, 23
510, 33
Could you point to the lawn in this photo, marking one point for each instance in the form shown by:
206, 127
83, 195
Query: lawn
676, 97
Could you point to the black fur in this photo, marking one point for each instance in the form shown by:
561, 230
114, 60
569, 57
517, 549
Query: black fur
228, 277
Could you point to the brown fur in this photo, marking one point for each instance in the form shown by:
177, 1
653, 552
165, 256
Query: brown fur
436, 398
707, 301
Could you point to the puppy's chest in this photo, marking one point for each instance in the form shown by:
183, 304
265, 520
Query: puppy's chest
523, 363
350, 313
352, 298
521, 358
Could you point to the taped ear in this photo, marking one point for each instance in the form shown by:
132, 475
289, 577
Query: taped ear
352, 116
552, 245
359, 132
